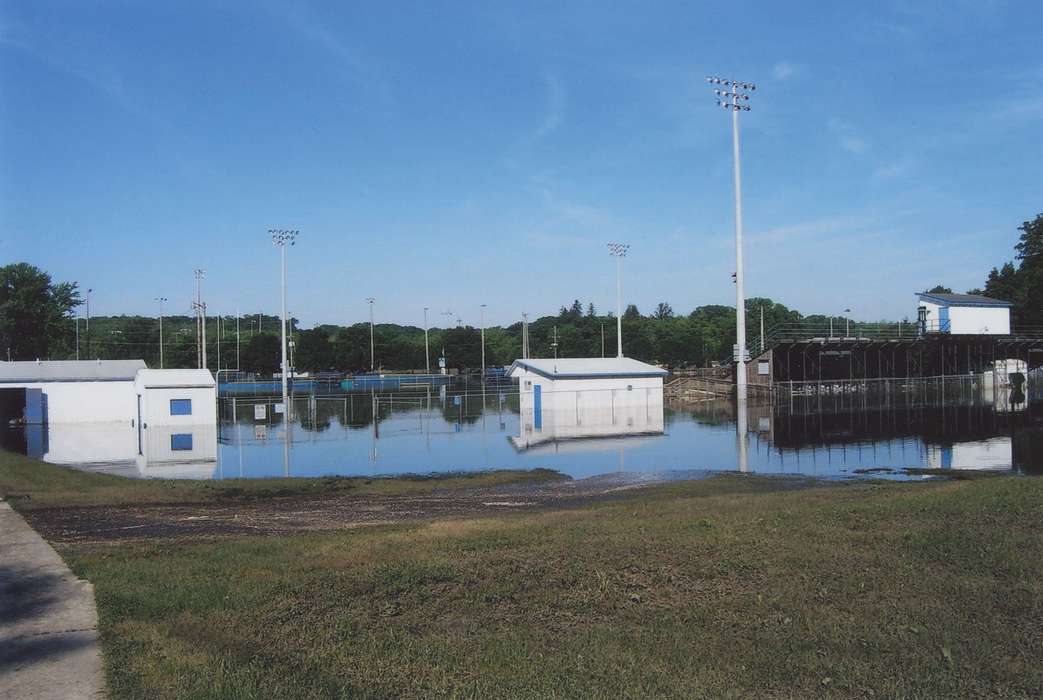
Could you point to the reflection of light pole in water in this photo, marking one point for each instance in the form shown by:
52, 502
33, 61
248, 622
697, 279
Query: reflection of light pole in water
741, 427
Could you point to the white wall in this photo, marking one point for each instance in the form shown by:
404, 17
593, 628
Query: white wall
155, 406
970, 320
86, 402
974, 320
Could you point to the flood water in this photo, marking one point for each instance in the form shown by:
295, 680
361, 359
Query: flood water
466, 428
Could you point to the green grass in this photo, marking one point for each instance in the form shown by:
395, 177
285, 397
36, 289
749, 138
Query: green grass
720, 588
29, 483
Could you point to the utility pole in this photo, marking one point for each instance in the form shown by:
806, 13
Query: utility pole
482, 312
762, 331
200, 321
525, 336
280, 238
372, 362
602, 338
734, 98
160, 300
77, 337
237, 365
219, 342
555, 343
427, 352
619, 251
847, 321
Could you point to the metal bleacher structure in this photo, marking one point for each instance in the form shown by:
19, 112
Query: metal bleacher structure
799, 352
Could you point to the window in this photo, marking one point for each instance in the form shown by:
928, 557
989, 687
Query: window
181, 441
180, 407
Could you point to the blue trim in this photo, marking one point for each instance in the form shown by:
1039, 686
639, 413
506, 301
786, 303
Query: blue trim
995, 303
180, 407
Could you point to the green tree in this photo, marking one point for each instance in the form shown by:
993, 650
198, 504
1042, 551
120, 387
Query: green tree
663, 310
938, 289
262, 354
35, 313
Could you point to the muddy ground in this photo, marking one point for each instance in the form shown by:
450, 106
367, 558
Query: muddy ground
98, 525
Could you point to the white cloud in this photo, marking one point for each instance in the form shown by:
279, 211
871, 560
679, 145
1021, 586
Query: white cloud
783, 70
850, 140
898, 168
555, 115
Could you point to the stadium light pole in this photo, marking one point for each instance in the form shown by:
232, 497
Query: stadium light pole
87, 329
734, 98
619, 251
427, 351
482, 312
160, 300
280, 238
372, 362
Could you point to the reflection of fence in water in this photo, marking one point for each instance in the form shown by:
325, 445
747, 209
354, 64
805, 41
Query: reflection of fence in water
964, 390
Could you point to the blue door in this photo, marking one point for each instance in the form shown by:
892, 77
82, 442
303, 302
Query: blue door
943, 319
34, 407
537, 408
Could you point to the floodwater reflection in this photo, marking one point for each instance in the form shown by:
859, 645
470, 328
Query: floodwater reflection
446, 429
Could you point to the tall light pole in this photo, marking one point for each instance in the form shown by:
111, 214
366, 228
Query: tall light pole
372, 361
847, 320
734, 98
482, 312
237, 339
200, 321
87, 330
525, 336
280, 238
427, 352
619, 251
160, 300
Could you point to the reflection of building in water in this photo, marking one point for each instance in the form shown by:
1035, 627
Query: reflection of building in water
587, 398
990, 453
175, 452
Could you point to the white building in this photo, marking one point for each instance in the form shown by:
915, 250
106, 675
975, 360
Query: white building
105, 391
963, 314
69, 391
587, 397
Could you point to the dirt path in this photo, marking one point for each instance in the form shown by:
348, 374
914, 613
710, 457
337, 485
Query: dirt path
111, 524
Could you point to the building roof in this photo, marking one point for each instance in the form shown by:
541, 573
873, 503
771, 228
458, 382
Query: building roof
176, 378
69, 371
963, 300
588, 368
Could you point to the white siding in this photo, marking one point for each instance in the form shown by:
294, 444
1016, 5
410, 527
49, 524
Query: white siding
86, 402
975, 320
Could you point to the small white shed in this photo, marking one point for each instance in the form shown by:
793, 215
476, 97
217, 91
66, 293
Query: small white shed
577, 397
963, 314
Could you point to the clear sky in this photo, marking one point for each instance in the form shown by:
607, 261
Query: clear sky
448, 155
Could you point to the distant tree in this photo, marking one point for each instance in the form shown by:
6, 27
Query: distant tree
262, 354
631, 312
591, 311
938, 289
35, 313
1002, 283
663, 310
313, 352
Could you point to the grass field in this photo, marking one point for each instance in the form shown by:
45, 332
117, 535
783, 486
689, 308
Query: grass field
726, 587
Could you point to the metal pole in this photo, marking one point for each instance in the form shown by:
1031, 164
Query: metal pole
762, 330
427, 352
219, 343
740, 292
87, 329
280, 237
602, 338
619, 306
77, 337
161, 300
237, 365
482, 312
619, 250
735, 101
372, 362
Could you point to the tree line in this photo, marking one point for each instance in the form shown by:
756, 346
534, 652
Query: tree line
36, 321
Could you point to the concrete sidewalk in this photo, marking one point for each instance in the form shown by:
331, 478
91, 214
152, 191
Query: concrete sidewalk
48, 623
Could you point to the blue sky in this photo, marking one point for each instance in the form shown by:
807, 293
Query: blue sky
449, 155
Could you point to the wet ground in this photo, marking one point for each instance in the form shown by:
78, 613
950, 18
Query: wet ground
98, 525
